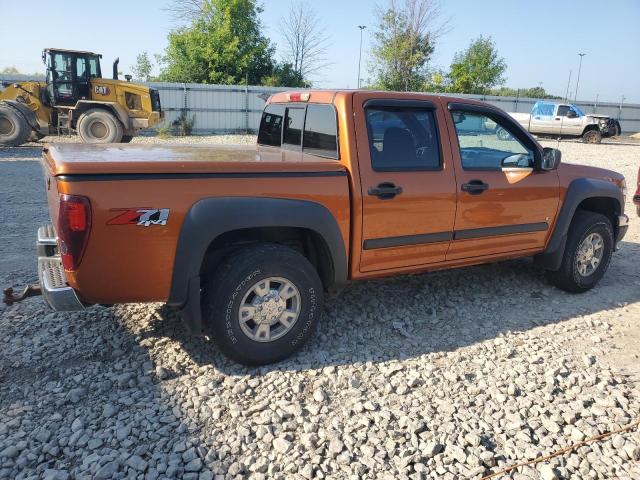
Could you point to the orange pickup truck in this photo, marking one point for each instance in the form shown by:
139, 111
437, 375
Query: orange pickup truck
342, 186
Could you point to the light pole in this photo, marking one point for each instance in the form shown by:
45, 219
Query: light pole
566, 95
575, 98
361, 27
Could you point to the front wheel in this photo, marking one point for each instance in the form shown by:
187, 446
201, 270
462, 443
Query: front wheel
587, 253
14, 128
592, 136
262, 304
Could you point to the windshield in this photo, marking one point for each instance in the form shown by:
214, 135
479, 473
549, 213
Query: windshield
578, 111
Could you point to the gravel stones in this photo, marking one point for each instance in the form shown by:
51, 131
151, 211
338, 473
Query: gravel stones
449, 375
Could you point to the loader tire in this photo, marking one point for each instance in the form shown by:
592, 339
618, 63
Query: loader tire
14, 128
99, 126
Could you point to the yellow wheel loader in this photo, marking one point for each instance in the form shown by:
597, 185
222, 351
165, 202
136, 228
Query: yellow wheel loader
75, 98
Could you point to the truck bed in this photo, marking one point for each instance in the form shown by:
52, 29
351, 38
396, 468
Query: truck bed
78, 159
124, 263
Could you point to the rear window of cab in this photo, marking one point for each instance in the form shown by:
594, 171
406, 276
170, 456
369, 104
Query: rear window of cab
310, 127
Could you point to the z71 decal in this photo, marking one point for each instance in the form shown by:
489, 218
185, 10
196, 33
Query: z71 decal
143, 217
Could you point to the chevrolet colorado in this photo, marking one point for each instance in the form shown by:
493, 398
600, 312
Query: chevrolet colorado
342, 186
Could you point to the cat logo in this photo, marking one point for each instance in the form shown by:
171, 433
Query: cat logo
143, 217
102, 90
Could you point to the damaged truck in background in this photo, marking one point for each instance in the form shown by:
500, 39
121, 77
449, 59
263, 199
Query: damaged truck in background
566, 121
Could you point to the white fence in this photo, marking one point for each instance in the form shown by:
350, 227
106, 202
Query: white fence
237, 108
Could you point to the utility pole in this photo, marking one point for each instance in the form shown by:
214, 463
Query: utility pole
575, 98
566, 95
361, 27
620, 107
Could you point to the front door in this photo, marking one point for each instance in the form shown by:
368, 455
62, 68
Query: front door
407, 181
62, 75
567, 121
504, 204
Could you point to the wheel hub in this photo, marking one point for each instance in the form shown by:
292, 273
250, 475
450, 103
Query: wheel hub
6, 126
269, 308
590, 254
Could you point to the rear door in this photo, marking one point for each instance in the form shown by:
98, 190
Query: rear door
408, 184
504, 204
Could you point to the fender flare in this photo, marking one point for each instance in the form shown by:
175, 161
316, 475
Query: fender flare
579, 190
29, 115
209, 218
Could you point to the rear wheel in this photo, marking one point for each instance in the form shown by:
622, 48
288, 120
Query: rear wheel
262, 304
592, 136
587, 253
14, 128
99, 126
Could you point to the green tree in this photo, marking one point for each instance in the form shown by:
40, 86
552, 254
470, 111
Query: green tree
223, 45
404, 41
10, 71
285, 75
478, 68
142, 69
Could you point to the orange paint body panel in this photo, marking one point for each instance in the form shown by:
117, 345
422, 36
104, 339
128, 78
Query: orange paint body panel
425, 227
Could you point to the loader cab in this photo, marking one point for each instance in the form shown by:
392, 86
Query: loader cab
69, 75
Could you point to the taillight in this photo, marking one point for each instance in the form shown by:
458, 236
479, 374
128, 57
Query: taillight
74, 225
298, 97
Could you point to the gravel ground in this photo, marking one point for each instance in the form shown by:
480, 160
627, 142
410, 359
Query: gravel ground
448, 375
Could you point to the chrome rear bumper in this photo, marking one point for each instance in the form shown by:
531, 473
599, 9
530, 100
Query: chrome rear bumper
56, 291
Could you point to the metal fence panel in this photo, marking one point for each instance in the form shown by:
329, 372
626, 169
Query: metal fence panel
238, 108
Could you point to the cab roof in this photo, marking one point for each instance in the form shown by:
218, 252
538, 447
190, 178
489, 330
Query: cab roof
81, 52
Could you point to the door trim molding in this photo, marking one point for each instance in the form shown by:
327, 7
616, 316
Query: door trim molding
468, 234
503, 230
406, 240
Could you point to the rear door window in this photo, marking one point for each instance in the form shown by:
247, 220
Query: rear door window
270, 132
293, 124
321, 131
402, 138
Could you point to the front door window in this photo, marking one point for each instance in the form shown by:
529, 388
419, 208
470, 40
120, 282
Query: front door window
489, 145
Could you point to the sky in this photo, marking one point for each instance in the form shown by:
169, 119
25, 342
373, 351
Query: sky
539, 40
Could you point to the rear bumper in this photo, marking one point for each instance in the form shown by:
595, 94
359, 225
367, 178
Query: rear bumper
53, 282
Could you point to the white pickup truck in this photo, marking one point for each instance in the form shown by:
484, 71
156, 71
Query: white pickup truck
566, 120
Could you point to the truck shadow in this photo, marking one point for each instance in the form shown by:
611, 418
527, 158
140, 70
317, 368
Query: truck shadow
411, 316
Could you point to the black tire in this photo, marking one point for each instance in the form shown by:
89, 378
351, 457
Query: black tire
14, 128
232, 284
568, 277
99, 126
126, 139
592, 136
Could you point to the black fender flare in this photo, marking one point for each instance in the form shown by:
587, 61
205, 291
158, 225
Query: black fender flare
209, 218
29, 115
579, 190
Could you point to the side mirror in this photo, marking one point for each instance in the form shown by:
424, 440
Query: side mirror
550, 159
16, 85
128, 78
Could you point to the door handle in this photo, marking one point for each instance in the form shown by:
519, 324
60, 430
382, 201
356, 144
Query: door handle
385, 191
475, 187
